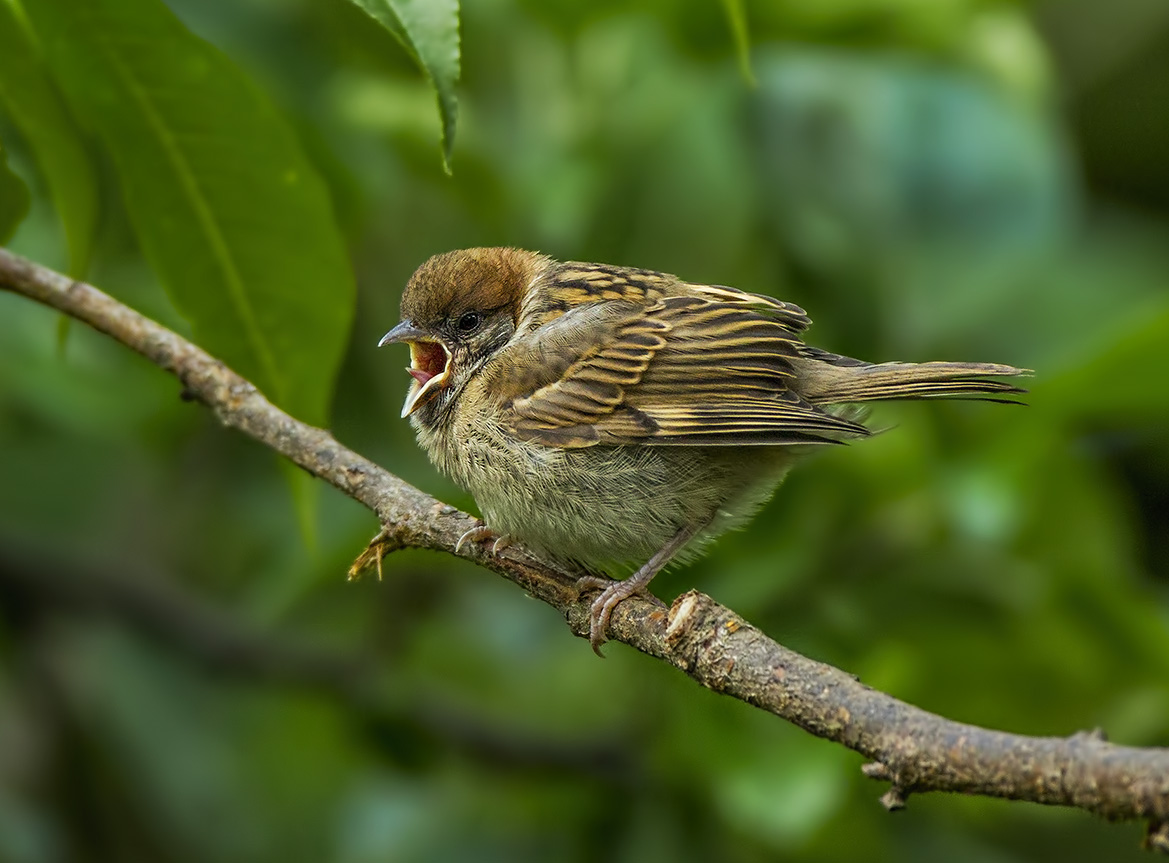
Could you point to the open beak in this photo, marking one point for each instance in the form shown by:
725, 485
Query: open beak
430, 363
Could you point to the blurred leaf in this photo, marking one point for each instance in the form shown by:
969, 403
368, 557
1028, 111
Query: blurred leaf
1119, 374
737, 18
230, 213
36, 108
869, 151
1002, 43
932, 183
64, 327
305, 489
138, 702
14, 198
780, 789
429, 31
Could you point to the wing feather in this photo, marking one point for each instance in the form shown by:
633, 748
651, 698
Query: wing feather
688, 365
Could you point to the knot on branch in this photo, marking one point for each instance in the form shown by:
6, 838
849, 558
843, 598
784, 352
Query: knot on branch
682, 616
877, 770
895, 798
708, 641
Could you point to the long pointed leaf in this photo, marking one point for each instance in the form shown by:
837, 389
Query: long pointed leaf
230, 213
429, 31
30, 97
13, 198
737, 19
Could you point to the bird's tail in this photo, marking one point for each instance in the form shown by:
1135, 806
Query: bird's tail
829, 379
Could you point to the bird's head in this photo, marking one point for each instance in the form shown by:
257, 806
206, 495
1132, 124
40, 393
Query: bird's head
458, 309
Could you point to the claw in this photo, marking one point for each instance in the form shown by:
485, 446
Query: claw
598, 614
592, 582
480, 533
615, 592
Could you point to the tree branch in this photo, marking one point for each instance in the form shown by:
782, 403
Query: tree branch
914, 750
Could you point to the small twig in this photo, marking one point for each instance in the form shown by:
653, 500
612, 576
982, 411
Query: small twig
915, 750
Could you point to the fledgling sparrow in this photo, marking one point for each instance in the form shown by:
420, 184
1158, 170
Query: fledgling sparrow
607, 416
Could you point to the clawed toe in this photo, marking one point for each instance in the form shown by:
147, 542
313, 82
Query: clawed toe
613, 594
479, 534
593, 582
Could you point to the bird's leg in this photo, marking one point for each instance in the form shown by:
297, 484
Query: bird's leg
614, 592
481, 533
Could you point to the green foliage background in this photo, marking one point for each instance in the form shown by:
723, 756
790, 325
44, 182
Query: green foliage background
186, 676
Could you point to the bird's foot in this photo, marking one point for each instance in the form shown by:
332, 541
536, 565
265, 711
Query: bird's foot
385, 542
613, 593
481, 533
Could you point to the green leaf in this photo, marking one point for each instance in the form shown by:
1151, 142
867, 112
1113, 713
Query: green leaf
737, 18
429, 31
14, 198
30, 97
228, 209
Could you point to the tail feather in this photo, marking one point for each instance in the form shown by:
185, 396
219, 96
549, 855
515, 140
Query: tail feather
826, 382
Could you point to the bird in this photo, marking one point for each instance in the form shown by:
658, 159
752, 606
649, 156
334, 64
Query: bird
614, 418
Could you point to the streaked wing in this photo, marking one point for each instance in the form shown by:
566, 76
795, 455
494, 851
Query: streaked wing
706, 366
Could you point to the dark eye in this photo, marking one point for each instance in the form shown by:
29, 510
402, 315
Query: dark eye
469, 322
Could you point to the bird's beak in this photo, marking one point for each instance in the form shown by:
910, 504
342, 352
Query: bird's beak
430, 362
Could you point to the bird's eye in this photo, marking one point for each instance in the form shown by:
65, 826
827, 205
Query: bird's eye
469, 322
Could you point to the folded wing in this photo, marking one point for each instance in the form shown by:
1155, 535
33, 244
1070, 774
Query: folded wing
705, 367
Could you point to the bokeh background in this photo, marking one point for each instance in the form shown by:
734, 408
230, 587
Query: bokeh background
186, 676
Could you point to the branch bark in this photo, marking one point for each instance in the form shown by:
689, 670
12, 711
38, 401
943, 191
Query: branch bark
914, 750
